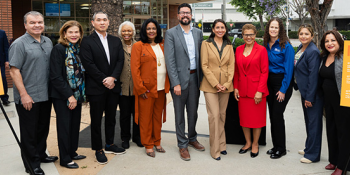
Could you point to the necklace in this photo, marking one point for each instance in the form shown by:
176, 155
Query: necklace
128, 45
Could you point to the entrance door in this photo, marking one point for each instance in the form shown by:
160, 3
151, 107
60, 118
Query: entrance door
138, 21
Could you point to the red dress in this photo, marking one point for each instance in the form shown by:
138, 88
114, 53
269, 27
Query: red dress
251, 75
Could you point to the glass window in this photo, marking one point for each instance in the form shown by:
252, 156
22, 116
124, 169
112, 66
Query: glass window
52, 24
82, 10
37, 6
85, 23
53, 37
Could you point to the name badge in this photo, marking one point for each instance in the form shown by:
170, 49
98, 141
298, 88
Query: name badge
277, 50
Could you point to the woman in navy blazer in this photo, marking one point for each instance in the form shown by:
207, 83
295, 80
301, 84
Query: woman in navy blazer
307, 62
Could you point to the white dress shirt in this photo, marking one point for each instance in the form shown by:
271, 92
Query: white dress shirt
104, 42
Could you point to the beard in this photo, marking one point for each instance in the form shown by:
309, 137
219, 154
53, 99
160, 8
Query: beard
185, 23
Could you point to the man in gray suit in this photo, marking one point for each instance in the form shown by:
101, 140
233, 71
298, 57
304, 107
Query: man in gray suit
182, 46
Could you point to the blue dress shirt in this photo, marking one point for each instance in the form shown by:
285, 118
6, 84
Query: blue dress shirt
190, 47
281, 61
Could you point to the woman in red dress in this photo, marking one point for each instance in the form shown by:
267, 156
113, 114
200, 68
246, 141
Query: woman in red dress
250, 83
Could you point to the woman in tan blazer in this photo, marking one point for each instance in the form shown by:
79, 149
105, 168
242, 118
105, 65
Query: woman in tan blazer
218, 64
151, 83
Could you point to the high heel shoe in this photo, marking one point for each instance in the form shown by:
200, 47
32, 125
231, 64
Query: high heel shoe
330, 167
242, 151
223, 152
253, 155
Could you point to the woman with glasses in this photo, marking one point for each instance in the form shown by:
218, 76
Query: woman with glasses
306, 64
218, 64
250, 83
281, 64
151, 83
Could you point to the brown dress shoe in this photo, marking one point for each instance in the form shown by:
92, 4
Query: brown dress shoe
330, 167
196, 145
184, 154
337, 172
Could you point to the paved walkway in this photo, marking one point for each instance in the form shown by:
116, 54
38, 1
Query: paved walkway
135, 160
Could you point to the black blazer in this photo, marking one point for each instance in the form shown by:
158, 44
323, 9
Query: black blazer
306, 73
59, 87
4, 47
94, 59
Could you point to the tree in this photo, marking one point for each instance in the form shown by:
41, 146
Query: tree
319, 14
250, 8
114, 10
299, 7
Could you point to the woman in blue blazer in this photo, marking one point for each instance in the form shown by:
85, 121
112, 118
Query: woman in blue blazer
307, 62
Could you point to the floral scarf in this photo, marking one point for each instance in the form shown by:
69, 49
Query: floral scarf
75, 73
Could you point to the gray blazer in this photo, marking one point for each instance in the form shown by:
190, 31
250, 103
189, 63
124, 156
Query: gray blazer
338, 70
177, 57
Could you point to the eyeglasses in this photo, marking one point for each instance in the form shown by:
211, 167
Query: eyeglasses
248, 35
185, 13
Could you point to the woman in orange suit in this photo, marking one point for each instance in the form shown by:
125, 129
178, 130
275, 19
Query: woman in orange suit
250, 83
151, 83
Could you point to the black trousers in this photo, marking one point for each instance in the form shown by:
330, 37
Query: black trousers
127, 107
338, 130
68, 126
4, 97
276, 110
34, 128
107, 103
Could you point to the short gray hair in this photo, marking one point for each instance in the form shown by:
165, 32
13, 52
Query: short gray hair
33, 13
129, 24
99, 12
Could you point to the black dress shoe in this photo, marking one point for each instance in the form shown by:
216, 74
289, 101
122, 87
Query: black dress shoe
242, 151
125, 144
138, 143
278, 154
49, 159
6, 103
71, 166
223, 152
37, 171
253, 155
78, 157
270, 151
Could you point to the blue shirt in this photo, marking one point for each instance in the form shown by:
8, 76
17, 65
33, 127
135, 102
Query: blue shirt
191, 48
281, 61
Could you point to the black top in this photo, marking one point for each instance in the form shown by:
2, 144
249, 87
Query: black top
222, 47
329, 85
59, 88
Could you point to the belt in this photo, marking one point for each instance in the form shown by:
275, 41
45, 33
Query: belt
193, 71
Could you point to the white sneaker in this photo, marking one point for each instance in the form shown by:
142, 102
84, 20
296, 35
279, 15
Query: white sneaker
305, 160
301, 152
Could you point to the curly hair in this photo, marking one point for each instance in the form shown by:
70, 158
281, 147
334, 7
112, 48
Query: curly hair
324, 51
281, 34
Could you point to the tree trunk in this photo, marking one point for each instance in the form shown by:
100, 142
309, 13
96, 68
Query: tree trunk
114, 10
319, 17
261, 22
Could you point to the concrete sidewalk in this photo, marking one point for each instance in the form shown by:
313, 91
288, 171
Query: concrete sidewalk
135, 161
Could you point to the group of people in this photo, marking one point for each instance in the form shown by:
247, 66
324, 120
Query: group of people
105, 71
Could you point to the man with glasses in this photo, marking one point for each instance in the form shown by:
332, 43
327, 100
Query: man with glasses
182, 47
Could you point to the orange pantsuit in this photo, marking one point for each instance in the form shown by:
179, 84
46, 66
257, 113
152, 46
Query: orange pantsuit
148, 112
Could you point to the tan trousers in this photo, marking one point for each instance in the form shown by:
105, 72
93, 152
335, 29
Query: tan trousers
216, 107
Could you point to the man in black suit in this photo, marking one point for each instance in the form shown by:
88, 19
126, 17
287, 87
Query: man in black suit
4, 63
102, 56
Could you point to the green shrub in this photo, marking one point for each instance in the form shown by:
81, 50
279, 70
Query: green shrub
238, 41
346, 33
295, 49
260, 34
293, 34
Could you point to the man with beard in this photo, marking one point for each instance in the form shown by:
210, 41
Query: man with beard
182, 47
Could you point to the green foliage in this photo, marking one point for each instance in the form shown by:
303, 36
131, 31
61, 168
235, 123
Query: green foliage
228, 24
293, 34
346, 33
251, 8
295, 49
260, 34
257, 25
238, 41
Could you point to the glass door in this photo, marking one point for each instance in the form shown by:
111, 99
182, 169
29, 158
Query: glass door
137, 21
